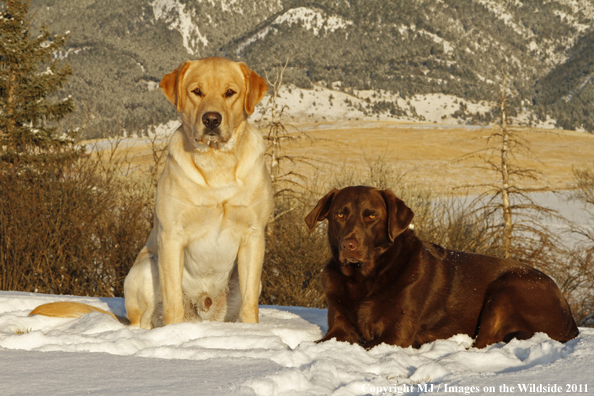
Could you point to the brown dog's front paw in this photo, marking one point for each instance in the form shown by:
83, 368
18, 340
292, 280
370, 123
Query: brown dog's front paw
368, 333
370, 324
351, 338
371, 344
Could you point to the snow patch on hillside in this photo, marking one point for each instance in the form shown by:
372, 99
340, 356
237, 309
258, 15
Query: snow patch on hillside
307, 18
572, 21
498, 8
587, 80
229, 5
312, 20
62, 55
581, 11
322, 103
178, 18
448, 47
586, 7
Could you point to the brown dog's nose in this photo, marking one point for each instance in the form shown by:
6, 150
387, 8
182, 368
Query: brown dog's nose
350, 244
212, 119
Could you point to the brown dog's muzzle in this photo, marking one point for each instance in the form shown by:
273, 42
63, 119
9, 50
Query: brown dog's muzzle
349, 244
351, 252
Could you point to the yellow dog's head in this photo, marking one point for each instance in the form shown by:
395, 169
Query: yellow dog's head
214, 97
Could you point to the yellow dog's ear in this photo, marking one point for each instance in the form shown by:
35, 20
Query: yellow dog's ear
256, 87
171, 85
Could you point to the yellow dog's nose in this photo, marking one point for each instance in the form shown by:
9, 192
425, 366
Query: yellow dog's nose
212, 119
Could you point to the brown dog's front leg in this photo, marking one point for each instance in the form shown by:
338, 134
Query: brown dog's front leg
378, 325
339, 326
342, 309
342, 332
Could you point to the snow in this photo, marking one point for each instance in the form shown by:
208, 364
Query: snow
96, 354
571, 20
61, 55
312, 20
448, 48
322, 103
305, 17
331, 103
178, 18
161, 133
500, 10
584, 6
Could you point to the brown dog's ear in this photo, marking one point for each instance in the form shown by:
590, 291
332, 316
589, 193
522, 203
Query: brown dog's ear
171, 84
399, 215
321, 210
256, 87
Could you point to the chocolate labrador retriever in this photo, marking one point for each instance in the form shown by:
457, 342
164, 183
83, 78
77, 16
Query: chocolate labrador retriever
385, 285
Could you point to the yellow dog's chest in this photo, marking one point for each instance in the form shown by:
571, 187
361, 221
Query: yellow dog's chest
214, 234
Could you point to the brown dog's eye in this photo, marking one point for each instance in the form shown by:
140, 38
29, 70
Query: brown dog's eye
372, 217
197, 92
339, 215
229, 93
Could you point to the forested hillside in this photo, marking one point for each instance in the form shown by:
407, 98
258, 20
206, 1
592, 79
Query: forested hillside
119, 50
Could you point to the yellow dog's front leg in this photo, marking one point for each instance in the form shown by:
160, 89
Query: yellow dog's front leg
249, 264
171, 264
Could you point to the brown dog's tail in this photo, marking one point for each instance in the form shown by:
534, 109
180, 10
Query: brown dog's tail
66, 309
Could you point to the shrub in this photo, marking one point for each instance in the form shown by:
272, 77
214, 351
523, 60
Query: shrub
70, 231
295, 258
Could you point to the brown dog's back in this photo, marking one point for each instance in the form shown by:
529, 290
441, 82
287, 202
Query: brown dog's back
495, 299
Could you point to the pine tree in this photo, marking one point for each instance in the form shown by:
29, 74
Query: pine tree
28, 76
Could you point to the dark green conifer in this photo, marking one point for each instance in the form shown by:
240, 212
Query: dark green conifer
30, 72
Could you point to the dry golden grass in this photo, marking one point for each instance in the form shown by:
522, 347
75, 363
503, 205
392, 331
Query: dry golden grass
429, 154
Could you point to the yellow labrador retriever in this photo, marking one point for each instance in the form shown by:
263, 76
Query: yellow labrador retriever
203, 258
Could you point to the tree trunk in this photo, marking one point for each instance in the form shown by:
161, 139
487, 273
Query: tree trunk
507, 214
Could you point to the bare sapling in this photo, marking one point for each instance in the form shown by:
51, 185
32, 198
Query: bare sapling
515, 223
286, 169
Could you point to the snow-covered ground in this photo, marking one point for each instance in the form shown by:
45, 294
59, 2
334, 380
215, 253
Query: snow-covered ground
97, 355
322, 103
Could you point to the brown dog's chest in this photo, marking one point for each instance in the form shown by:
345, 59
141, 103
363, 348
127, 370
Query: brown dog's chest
418, 300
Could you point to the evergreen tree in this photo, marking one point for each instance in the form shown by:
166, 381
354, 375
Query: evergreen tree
28, 76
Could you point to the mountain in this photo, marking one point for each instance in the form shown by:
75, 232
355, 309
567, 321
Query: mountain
120, 49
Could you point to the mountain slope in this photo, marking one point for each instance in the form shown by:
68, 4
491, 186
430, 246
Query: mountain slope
120, 49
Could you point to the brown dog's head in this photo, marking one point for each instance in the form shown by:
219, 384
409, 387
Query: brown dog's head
362, 224
214, 97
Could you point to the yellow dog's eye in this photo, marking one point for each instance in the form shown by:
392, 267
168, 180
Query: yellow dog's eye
372, 217
230, 93
340, 215
197, 92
